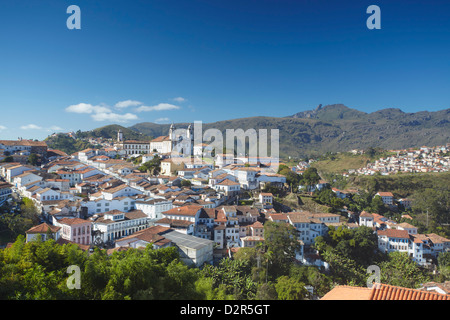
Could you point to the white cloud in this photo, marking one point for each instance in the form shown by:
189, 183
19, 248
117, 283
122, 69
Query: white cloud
87, 108
179, 99
162, 120
56, 128
127, 103
103, 112
109, 116
158, 107
31, 127
3, 128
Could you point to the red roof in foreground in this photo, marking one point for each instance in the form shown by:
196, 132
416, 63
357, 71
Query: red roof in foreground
382, 292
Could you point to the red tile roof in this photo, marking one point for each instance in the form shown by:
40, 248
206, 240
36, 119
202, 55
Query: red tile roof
393, 233
382, 292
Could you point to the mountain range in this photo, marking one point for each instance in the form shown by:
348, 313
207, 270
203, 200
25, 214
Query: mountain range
331, 128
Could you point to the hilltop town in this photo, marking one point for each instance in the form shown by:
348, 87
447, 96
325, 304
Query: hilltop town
128, 194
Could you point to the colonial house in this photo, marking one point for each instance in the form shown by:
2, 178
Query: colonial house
154, 207
75, 230
42, 231
161, 144
406, 203
266, 199
134, 147
184, 218
366, 219
408, 227
52, 194
228, 187
102, 205
311, 225
391, 240
246, 176
223, 159
15, 171
122, 190
387, 197
26, 178
5, 191
116, 224
215, 179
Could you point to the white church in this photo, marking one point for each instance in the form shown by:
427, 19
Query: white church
179, 142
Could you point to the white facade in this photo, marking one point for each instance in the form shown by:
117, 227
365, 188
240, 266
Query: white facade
120, 191
132, 147
392, 240
123, 204
116, 224
311, 225
154, 208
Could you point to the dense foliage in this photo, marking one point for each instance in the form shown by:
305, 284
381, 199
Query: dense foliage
40, 270
67, 144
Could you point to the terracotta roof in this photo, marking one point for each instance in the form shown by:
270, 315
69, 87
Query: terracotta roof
160, 139
366, 214
388, 292
184, 210
174, 222
382, 292
393, 233
43, 228
385, 194
72, 221
228, 182
278, 216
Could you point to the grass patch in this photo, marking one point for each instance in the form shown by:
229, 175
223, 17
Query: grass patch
341, 162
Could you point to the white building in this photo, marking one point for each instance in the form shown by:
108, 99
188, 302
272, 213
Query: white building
366, 219
52, 194
224, 159
122, 190
177, 142
228, 187
393, 240
311, 225
5, 191
17, 170
266, 198
387, 197
154, 208
102, 205
42, 231
116, 224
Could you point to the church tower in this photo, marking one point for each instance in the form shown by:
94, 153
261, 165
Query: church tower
120, 136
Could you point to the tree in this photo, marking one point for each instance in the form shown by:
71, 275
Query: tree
434, 202
8, 159
290, 288
281, 240
377, 205
186, 183
33, 159
444, 265
311, 275
400, 270
310, 177
153, 166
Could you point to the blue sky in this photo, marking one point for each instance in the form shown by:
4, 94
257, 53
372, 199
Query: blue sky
208, 60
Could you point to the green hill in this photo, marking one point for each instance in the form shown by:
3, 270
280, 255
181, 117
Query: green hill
332, 128
110, 132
